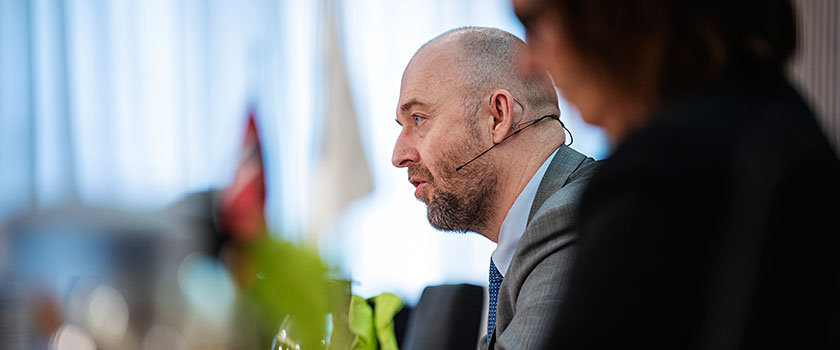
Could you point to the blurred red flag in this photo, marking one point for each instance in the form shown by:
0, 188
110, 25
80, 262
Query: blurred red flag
241, 206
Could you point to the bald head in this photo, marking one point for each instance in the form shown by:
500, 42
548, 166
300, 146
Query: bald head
484, 59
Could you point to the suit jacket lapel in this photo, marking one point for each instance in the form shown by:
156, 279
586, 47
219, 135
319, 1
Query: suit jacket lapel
562, 166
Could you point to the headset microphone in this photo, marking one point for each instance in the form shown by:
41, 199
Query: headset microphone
516, 131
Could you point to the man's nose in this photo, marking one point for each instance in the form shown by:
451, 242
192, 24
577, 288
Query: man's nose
404, 153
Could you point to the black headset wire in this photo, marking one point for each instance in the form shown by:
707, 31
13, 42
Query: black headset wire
518, 130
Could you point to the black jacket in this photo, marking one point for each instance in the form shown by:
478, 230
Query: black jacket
714, 226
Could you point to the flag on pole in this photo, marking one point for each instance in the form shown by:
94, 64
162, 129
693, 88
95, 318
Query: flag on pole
342, 174
241, 206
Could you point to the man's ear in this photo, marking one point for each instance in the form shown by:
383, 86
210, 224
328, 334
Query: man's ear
504, 110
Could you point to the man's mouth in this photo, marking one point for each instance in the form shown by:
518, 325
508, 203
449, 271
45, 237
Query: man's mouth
418, 184
416, 181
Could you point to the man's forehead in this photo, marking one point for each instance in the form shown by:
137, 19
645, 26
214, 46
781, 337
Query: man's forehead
432, 62
428, 77
420, 97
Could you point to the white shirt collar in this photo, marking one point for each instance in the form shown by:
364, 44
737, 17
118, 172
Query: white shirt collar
517, 219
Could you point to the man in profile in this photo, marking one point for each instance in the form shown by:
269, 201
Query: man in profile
484, 149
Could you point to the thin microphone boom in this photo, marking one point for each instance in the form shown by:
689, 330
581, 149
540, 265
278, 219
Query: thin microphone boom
516, 131
488, 150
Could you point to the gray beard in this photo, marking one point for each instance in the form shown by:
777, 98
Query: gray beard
469, 205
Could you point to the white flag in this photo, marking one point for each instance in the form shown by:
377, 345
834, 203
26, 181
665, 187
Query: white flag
341, 173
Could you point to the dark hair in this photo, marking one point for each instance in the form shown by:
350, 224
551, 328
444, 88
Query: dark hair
666, 48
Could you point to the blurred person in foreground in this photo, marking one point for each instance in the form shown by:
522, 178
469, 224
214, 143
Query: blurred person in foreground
462, 94
713, 225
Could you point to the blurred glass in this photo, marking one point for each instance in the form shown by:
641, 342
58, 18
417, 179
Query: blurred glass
287, 336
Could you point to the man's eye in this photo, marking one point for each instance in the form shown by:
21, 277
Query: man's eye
417, 119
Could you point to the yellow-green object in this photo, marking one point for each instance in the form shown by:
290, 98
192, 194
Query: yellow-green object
374, 328
361, 324
290, 287
387, 305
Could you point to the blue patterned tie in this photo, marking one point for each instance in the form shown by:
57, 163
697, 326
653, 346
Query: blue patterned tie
495, 282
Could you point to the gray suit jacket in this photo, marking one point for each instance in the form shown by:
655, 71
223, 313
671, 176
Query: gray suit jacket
532, 291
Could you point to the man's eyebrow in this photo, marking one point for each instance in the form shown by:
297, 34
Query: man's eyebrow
411, 103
